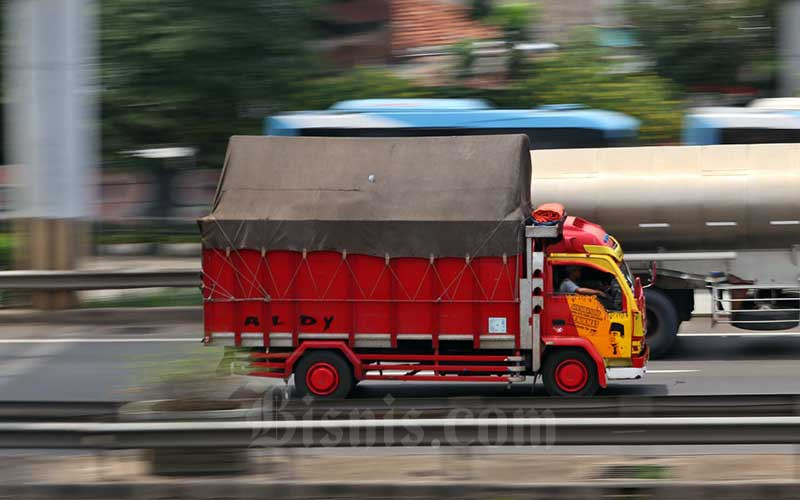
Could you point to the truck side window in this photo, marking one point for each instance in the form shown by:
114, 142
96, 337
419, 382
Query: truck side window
571, 279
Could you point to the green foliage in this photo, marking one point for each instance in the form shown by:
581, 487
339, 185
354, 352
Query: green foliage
581, 75
515, 19
193, 73
480, 8
143, 237
465, 58
173, 297
6, 250
192, 376
576, 75
651, 471
698, 42
360, 83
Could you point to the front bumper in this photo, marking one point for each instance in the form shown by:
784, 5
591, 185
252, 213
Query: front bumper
640, 361
625, 373
636, 371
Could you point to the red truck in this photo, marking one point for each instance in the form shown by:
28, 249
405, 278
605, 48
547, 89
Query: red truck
339, 260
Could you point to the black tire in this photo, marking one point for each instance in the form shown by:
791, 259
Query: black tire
323, 366
786, 320
662, 322
575, 359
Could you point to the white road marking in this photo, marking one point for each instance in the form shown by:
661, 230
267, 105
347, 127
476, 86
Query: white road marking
671, 371
741, 334
97, 340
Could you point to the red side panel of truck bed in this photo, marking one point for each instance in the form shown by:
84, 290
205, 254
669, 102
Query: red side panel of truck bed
330, 293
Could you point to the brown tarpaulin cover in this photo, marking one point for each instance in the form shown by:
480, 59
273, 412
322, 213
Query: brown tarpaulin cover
402, 197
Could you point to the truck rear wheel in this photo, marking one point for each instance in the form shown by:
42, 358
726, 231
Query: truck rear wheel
570, 372
662, 322
754, 313
323, 375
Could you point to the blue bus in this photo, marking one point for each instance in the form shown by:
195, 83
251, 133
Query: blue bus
548, 127
737, 125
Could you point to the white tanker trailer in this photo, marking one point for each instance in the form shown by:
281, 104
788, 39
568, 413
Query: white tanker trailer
721, 218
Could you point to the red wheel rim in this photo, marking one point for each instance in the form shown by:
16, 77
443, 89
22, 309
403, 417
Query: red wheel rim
571, 375
322, 378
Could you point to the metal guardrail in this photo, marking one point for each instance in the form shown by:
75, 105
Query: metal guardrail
58, 410
401, 432
668, 420
98, 280
643, 407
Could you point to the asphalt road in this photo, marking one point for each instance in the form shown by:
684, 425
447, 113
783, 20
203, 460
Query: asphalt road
96, 363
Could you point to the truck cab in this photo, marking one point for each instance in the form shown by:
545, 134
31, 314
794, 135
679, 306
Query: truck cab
592, 308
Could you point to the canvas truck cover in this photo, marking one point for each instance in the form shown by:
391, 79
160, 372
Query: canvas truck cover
401, 197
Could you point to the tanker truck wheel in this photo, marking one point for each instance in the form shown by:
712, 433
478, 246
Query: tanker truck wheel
569, 372
662, 322
763, 310
323, 375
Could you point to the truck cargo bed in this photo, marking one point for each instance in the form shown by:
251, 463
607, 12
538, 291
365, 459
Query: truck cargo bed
281, 298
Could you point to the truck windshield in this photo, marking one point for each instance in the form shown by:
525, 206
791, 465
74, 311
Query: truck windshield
626, 271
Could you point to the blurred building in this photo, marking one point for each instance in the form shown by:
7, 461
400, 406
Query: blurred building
421, 25
354, 32
557, 19
425, 39
363, 32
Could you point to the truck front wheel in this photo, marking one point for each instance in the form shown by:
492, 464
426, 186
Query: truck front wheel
662, 322
323, 375
570, 372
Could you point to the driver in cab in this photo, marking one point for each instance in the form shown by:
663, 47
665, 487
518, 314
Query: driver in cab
569, 285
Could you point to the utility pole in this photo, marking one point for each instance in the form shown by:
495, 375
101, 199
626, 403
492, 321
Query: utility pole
51, 130
789, 48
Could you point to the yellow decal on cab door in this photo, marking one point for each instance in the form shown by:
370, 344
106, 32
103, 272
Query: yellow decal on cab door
593, 323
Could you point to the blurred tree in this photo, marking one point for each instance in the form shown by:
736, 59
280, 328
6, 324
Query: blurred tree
465, 58
360, 83
193, 73
580, 74
480, 8
515, 19
699, 42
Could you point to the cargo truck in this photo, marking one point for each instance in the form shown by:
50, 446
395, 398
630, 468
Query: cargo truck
721, 223
340, 260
